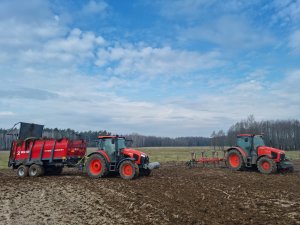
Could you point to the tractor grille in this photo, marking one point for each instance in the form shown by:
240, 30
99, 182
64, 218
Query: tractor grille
282, 157
136, 157
144, 160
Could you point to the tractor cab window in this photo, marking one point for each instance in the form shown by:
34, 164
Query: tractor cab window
121, 143
109, 146
244, 143
258, 141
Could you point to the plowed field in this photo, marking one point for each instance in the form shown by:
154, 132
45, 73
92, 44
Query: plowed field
171, 195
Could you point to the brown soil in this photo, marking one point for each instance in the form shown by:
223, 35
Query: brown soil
171, 195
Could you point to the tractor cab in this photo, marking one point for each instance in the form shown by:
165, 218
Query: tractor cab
250, 143
112, 145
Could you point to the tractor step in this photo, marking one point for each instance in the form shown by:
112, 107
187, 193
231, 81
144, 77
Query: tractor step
112, 166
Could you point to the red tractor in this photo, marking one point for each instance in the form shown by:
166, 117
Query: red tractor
113, 156
251, 151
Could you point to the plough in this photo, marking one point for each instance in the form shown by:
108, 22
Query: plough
204, 160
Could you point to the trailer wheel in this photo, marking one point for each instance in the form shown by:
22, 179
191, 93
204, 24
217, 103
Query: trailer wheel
127, 170
22, 171
266, 165
96, 166
234, 160
35, 170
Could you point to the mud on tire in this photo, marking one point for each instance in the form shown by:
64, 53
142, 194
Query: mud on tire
96, 166
35, 170
234, 160
127, 170
22, 171
266, 165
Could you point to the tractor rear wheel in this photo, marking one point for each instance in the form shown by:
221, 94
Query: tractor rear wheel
127, 170
96, 166
36, 170
235, 160
22, 171
266, 165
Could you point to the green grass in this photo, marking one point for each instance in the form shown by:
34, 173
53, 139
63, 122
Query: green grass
4, 159
164, 154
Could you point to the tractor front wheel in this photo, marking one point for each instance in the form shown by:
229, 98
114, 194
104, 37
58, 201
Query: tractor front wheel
266, 165
234, 160
96, 166
128, 170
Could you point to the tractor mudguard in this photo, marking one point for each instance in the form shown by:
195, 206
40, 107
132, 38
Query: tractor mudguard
102, 153
243, 153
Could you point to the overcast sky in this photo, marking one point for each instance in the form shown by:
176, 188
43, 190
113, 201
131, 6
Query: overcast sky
154, 67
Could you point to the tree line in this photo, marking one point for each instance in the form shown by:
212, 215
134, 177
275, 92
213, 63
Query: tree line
282, 134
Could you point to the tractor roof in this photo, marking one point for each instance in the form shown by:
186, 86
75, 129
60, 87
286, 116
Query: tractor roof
109, 136
248, 135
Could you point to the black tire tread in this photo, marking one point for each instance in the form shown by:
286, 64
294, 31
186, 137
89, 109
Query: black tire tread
121, 169
242, 164
102, 173
271, 161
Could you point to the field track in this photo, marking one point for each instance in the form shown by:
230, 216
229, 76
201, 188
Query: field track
171, 195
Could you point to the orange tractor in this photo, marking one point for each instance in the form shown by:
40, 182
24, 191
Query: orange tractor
113, 156
250, 152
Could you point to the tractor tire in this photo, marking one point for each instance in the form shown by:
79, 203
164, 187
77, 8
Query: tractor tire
96, 166
22, 171
234, 160
35, 170
127, 170
266, 165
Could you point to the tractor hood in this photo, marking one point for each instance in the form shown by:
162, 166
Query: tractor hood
264, 150
131, 151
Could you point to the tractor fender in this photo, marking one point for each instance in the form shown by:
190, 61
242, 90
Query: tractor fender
102, 153
268, 156
131, 159
240, 150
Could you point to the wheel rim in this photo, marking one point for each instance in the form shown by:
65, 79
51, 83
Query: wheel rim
127, 170
234, 160
33, 171
265, 165
95, 166
21, 172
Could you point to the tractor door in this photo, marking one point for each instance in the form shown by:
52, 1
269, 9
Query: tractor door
108, 145
245, 142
